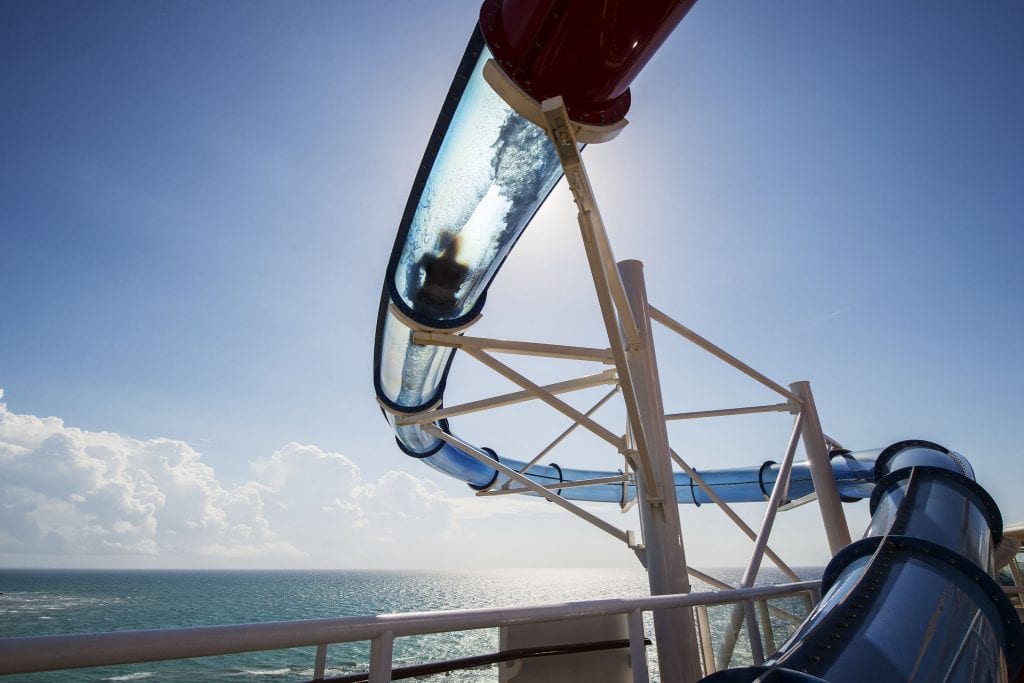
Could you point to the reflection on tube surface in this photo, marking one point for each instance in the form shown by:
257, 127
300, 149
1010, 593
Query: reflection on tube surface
492, 172
410, 374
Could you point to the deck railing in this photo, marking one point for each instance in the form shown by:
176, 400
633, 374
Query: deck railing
51, 653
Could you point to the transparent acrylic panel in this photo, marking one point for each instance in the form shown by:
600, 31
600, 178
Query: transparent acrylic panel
410, 374
491, 174
412, 437
455, 463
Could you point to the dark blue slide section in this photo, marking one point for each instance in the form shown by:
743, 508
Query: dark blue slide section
914, 600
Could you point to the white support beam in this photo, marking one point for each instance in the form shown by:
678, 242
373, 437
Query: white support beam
746, 610
558, 125
600, 379
721, 354
731, 514
484, 458
616, 314
546, 396
637, 647
725, 412
561, 437
836, 529
793, 504
557, 486
833, 443
521, 348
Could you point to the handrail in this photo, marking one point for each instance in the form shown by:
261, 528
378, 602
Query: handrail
26, 654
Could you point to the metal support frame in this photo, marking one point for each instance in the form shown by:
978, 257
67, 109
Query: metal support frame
746, 610
731, 514
659, 512
602, 378
561, 437
726, 412
526, 482
522, 348
628, 317
836, 529
559, 486
549, 398
703, 343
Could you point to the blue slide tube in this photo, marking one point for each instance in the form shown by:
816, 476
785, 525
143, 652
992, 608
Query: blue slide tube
914, 599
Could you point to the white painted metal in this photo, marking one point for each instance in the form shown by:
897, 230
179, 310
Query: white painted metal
560, 485
637, 649
750, 573
706, 644
560, 129
561, 437
521, 348
832, 442
320, 665
381, 656
766, 624
836, 529
600, 379
714, 350
801, 501
479, 455
52, 653
530, 109
546, 396
725, 412
676, 633
731, 514
778, 493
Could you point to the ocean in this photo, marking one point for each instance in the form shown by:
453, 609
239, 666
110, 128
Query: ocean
44, 602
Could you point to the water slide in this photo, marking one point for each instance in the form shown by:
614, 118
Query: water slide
912, 600
485, 173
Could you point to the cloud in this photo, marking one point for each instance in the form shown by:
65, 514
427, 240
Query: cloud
69, 491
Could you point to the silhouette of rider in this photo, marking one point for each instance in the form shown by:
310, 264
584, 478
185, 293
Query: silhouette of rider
442, 277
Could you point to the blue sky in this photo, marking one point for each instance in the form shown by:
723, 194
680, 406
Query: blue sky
198, 200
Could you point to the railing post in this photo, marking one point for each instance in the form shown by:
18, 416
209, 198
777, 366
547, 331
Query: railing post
381, 650
836, 529
637, 648
706, 644
320, 668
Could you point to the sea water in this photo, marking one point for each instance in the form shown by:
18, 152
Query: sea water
45, 602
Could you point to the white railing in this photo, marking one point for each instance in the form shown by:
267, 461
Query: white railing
51, 653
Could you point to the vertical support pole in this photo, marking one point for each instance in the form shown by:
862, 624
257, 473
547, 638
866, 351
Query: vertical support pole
836, 529
675, 630
381, 651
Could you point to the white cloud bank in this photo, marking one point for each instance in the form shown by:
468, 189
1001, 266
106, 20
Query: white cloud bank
74, 493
